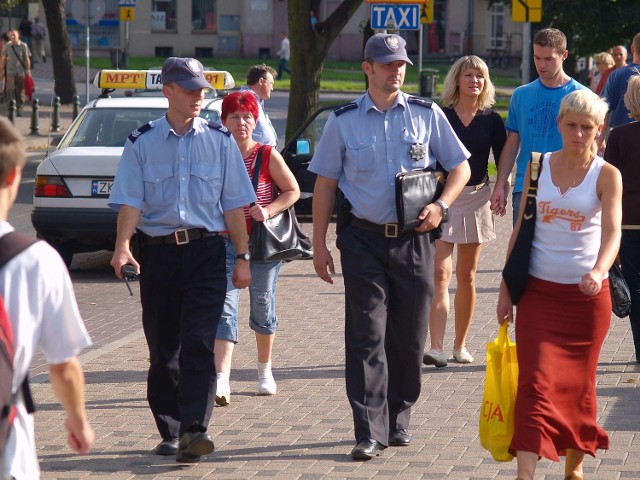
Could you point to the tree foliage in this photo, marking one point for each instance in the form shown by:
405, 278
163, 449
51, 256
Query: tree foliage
309, 49
61, 53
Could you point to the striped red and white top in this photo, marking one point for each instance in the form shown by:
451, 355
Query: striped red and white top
265, 182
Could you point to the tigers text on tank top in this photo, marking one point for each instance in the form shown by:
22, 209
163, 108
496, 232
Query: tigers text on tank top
568, 227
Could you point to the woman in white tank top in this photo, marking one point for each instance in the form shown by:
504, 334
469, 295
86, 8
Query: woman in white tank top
565, 311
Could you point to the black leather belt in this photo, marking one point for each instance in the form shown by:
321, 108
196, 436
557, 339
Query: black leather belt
480, 185
389, 230
179, 237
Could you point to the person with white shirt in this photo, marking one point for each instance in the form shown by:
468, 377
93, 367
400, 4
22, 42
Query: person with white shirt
260, 79
42, 308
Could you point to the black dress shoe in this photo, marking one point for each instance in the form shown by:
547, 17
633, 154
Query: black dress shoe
193, 445
399, 438
167, 447
367, 449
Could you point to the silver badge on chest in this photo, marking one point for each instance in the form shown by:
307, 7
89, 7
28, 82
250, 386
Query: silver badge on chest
418, 151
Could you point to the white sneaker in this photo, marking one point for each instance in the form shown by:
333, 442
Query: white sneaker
462, 356
267, 385
223, 392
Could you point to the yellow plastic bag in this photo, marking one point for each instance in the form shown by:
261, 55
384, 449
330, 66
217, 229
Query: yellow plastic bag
497, 415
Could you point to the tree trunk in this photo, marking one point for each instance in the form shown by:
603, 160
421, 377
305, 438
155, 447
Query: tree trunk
61, 53
308, 51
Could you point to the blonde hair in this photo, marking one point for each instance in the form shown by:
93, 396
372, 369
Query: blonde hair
12, 149
632, 97
451, 91
604, 57
584, 102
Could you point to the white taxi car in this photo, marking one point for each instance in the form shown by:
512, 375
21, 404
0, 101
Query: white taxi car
73, 182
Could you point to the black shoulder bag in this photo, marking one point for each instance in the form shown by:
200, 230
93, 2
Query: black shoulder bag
516, 269
278, 237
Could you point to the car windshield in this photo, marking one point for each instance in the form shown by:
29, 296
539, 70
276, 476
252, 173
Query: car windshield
110, 127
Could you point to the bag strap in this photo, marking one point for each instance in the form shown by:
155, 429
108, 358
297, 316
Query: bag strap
256, 169
11, 244
13, 47
535, 167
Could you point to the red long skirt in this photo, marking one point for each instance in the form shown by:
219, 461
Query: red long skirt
559, 334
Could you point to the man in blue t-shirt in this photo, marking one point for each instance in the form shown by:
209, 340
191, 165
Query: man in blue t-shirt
616, 87
531, 121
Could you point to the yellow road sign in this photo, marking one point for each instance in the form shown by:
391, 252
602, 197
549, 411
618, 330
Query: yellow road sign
426, 12
127, 14
526, 10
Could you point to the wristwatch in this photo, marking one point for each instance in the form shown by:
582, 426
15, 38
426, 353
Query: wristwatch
243, 256
445, 210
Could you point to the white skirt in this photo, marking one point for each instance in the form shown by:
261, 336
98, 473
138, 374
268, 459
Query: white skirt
470, 217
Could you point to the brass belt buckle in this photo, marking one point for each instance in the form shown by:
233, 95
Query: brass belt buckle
391, 230
182, 236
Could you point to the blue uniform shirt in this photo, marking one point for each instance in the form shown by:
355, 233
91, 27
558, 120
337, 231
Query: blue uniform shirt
264, 131
183, 181
614, 91
363, 148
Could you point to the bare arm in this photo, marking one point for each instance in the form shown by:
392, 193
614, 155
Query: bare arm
431, 215
505, 165
609, 189
287, 185
128, 218
237, 228
323, 197
67, 380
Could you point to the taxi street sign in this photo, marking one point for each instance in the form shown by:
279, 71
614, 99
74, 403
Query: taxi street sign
426, 12
127, 14
526, 10
397, 1
152, 79
395, 17
126, 3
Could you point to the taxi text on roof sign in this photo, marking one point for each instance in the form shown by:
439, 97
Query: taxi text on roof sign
152, 79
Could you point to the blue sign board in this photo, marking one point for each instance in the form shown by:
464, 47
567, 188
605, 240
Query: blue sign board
395, 17
126, 3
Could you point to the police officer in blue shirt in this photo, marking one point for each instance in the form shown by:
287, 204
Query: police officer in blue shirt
388, 277
180, 181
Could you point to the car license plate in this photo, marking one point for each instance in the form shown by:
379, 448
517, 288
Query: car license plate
101, 188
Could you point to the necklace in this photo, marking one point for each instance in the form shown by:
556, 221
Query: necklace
577, 172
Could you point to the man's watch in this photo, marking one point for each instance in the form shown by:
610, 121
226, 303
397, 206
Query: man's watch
445, 210
243, 256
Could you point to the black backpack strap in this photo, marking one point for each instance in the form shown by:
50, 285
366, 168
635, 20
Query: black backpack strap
11, 244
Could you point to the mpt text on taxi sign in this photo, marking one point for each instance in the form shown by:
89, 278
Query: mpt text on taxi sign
396, 17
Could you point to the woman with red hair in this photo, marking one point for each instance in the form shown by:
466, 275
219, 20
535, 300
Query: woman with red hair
240, 112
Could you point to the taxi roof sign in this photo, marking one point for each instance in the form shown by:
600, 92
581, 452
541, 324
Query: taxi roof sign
152, 79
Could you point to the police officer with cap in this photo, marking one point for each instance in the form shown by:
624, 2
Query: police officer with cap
179, 182
388, 276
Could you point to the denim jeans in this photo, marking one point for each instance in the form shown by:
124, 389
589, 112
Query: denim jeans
515, 198
630, 260
262, 298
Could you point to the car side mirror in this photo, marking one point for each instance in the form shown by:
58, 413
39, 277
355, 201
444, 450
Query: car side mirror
303, 147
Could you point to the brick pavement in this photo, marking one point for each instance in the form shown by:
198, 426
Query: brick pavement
305, 431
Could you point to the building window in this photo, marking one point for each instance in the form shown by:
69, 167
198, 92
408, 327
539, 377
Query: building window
498, 39
230, 23
163, 15
203, 16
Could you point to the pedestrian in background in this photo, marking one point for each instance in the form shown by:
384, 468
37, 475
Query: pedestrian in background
388, 276
622, 151
467, 98
564, 314
240, 110
180, 182
603, 61
15, 64
44, 315
24, 27
38, 34
284, 52
260, 79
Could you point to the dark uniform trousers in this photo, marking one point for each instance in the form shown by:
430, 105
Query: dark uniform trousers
388, 292
182, 290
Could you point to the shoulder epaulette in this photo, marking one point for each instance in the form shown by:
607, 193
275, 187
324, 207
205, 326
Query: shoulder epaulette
139, 131
425, 102
218, 126
345, 108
